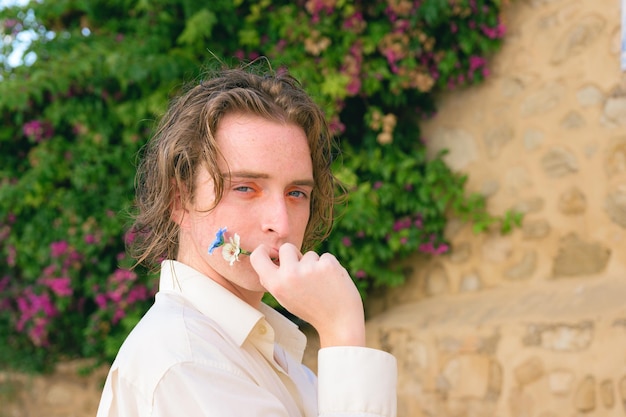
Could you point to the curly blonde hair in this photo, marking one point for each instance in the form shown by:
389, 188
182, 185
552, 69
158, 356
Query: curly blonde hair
184, 141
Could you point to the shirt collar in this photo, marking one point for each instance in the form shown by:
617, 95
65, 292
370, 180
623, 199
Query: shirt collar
288, 335
236, 317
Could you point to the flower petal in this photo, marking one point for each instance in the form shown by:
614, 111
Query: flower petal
219, 240
230, 252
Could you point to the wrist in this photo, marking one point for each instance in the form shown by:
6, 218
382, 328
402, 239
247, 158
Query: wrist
345, 336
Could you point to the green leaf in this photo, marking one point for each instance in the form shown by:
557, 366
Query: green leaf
198, 28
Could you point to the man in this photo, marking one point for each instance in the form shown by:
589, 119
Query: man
239, 165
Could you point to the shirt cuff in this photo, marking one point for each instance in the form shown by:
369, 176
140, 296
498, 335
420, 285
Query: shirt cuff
356, 381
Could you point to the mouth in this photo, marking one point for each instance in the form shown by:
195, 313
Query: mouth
274, 257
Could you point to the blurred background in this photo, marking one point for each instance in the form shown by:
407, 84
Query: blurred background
483, 144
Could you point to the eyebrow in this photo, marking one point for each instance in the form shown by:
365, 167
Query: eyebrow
255, 175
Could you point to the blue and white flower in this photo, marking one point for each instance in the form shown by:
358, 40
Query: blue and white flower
231, 249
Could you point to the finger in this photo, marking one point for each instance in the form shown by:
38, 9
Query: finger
262, 262
288, 254
310, 256
329, 258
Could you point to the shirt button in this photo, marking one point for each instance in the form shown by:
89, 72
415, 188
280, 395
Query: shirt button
262, 329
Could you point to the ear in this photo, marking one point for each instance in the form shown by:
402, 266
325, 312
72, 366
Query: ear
178, 207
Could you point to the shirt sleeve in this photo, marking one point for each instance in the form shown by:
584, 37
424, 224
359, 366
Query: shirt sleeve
356, 381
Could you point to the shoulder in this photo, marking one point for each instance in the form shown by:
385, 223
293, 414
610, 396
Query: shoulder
171, 333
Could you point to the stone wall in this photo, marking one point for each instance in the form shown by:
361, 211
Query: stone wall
67, 392
530, 324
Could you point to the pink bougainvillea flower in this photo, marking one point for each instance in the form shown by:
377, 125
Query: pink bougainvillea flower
62, 287
58, 248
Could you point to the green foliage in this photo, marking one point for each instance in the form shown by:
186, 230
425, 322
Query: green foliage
99, 73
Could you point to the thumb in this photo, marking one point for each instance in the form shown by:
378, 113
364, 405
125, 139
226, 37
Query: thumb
262, 262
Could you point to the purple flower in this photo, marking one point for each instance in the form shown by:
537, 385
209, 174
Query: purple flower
58, 248
336, 126
137, 293
443, 248
30, 304
38, 130
101, 300
37, 333
4, 283
354, 86
430, 248
10, 23
476, 62
59, 286
118, 315
426, 247
354, 22
130, 236
12, 256
115, 295
121, 275
402, 224
495, 32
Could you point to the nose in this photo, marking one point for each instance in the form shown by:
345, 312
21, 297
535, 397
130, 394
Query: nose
276, 216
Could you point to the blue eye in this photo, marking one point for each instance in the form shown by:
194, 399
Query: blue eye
243, 189
297, 193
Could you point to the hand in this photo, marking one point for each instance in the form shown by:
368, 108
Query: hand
315, 288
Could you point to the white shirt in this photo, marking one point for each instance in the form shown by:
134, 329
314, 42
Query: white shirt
202, 351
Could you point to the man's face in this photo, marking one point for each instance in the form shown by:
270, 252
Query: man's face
267, 194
